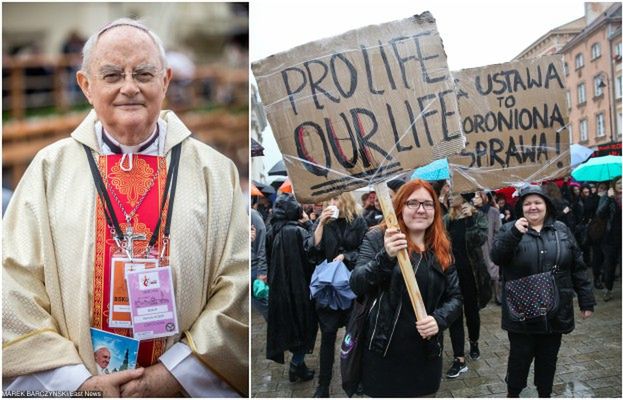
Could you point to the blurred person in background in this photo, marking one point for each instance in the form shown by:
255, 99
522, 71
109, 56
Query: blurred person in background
334, 239
292, 321
609, 208
484, 202
467, 229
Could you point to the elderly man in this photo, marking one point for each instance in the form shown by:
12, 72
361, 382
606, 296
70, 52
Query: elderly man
129, 190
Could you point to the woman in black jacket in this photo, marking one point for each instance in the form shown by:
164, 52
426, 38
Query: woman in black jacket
402, 356
467, 229
610, 210
334, 239
534, 244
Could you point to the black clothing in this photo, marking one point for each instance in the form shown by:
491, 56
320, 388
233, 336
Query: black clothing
472, 316
467, 236
523, 349
610, 246
396, 360
291, 318
520, 255
338, 237
373, 216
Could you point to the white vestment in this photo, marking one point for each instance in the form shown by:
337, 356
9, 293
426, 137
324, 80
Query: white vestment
48, 259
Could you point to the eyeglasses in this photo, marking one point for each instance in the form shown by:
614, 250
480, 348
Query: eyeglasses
415, 205
140, 76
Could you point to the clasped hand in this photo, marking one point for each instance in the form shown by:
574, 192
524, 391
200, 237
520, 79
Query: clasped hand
154, 381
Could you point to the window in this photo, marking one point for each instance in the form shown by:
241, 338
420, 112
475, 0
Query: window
617, 88
583, 130
570, 128
569, 100
617, 49
619, 123
599, 85
595, 51
565, 67
581, 93
601, 125
579, 61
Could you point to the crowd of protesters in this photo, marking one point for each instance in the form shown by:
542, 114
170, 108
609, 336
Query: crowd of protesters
466, 249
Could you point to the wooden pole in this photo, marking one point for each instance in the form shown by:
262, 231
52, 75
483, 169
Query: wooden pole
382, 193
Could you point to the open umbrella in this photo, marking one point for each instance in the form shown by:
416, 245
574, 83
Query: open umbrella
598, 169
579, 154
278, 169
256, 148
286, 186
435, 171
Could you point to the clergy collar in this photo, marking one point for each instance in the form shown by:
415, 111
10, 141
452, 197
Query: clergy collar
151, 146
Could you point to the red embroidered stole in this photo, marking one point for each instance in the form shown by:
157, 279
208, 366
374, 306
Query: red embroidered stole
130, 187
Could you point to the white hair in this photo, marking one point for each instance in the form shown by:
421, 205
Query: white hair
87, 50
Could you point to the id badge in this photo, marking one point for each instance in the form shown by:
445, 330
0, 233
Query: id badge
119, 316
152, 303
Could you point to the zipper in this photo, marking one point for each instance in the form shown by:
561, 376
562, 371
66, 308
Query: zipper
393, 328
377, 319
399, 309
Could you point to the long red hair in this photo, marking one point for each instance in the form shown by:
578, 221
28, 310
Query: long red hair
435, 237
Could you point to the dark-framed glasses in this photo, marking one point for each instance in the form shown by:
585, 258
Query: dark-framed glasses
415, 204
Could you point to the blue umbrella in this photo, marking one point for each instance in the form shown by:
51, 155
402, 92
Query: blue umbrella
598, 169
435, 171
329, 285
579, 154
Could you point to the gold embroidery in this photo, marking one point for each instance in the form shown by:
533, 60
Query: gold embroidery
133, 184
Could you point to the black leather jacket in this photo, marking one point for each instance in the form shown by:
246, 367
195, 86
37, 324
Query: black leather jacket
378, 275
520, 255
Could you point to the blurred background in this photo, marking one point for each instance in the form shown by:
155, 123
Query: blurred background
207, 48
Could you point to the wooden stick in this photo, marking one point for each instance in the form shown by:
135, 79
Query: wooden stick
382, 193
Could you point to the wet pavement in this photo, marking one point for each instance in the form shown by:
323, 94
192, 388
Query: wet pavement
589, 361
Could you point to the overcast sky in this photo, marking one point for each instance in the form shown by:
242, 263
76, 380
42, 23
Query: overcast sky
474, 33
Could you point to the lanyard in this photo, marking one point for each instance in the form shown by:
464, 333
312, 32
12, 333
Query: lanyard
169, 192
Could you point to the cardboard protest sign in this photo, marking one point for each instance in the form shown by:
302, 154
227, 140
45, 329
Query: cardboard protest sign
358, 108
513, 117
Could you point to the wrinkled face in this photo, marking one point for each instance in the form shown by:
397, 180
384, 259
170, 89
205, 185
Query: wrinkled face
125, 82
534, 208
420, 218
102, 357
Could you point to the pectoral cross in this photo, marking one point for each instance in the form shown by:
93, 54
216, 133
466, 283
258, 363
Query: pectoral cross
130, 237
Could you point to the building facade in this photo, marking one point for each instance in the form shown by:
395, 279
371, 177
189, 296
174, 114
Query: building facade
591, 50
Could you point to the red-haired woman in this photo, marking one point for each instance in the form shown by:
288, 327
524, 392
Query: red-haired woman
402, 357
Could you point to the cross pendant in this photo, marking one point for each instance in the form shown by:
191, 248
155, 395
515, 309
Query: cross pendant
130, 237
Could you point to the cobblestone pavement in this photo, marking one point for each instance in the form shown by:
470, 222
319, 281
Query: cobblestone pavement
589, 361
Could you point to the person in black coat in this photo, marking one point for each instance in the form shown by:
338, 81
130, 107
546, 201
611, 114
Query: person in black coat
609, 209
467, 229
292, 321
402, 357
534, 244
334, 239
